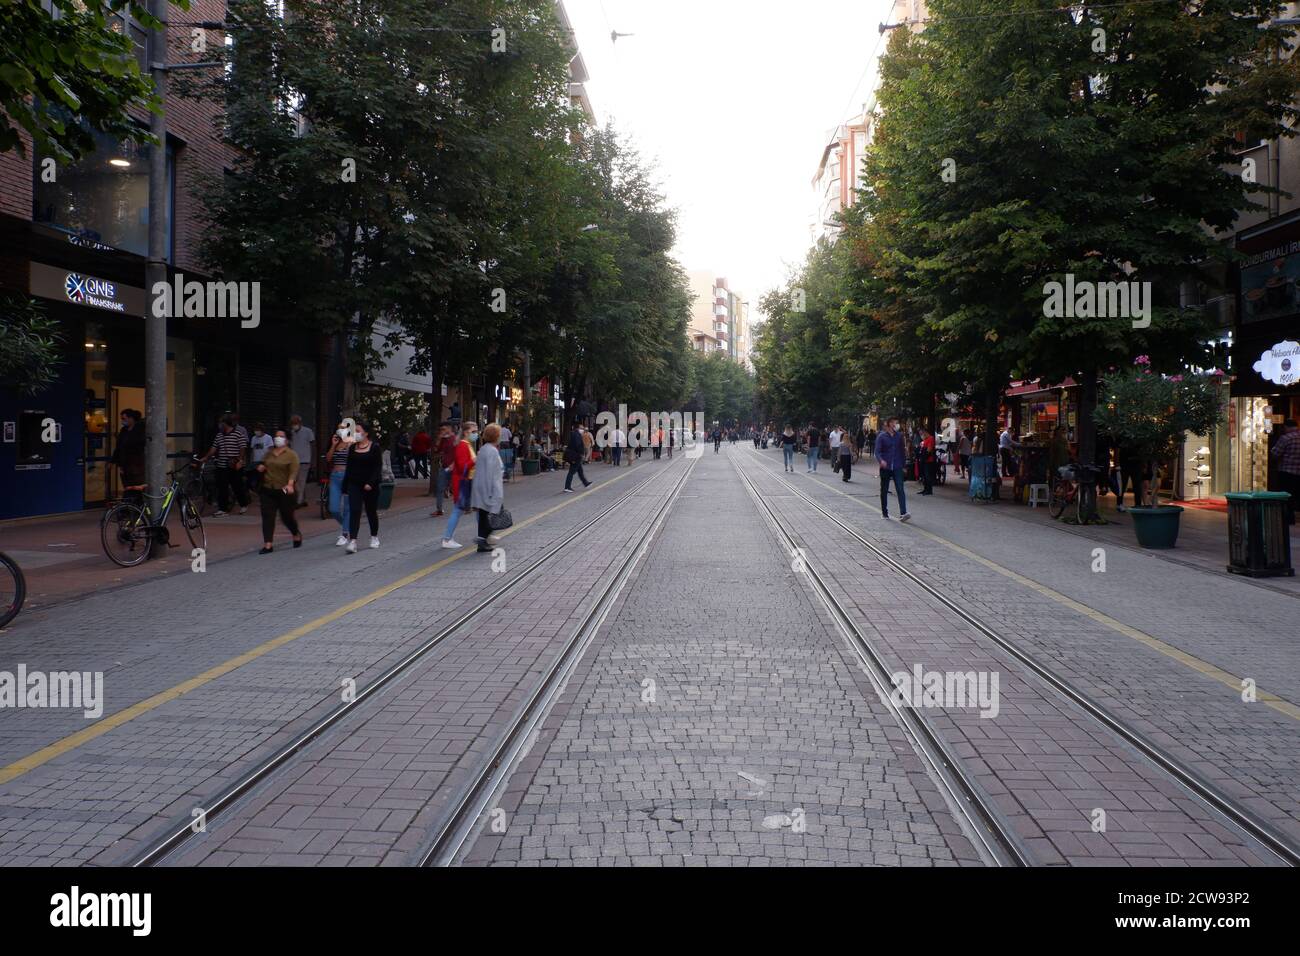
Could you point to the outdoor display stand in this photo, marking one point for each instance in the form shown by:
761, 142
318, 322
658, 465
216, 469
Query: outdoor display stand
1031, 469
1259, 539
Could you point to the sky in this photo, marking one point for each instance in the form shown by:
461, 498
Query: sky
734, 100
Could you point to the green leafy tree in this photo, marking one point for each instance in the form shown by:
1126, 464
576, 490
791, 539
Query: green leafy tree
64, 74
30, 345
1149, 413
1018, 145
391, 411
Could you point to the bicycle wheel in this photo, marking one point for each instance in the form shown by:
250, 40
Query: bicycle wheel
1060, 498
13, 589
127, 535
193, 490
193, 524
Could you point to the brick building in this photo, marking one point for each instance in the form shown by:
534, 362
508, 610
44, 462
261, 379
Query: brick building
75, 237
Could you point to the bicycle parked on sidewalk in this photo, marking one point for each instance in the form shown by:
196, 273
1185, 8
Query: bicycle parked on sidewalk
13, 589
1065, 489
130, 530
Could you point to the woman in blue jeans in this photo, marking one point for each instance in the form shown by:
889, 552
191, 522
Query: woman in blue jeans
338, 464
788, 441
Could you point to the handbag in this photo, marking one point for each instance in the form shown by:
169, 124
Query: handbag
500, 521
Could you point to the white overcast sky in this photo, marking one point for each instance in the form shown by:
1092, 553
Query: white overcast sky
734, 99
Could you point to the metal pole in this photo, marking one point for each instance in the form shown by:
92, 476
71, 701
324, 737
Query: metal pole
155, 326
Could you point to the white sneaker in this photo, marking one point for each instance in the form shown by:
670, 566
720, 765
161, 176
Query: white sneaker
451, 545
343, 539
886, 517
243, 510
374, 543
352, 546
220, 514
905, 517
568, 491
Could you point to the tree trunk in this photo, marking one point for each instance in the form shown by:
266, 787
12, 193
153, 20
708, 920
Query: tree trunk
1086, 433
435, 413
992, 403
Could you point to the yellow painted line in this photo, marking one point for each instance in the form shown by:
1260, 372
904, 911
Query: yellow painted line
1279, 704
73, 741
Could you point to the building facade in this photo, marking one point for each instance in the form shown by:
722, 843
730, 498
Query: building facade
74, 237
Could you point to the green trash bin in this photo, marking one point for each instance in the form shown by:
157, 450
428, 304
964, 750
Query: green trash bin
1259, 538
386, 494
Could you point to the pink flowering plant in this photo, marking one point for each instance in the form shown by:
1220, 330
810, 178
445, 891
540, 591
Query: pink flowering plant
1149, 413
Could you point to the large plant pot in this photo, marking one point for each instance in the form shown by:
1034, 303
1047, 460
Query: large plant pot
531, 466
1156, 527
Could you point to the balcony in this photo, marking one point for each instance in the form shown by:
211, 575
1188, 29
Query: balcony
719, 310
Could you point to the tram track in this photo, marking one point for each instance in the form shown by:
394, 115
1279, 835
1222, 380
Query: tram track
179, 834
979, 817
455, 832
1220, 805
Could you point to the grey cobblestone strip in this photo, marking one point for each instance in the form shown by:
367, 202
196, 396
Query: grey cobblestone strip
716, 704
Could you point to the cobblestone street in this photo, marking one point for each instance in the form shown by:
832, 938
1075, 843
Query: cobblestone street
715, 714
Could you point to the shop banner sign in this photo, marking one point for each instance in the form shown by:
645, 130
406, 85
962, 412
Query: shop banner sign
1280, 364
84, 290
1269, 282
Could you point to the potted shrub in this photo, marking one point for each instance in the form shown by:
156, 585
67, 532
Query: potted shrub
1149, 414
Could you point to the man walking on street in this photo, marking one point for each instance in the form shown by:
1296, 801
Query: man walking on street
229, 447
1286, 453
302, 440
892, 457
814, 438
574, 453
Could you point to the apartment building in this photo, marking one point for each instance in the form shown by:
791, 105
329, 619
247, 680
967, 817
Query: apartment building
719, 317
836, 182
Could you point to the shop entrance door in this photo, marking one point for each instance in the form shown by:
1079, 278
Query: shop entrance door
120, 398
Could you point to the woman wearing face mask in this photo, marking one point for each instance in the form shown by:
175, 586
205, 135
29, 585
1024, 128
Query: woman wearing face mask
462, 480
337, 457
361, 484
279, 470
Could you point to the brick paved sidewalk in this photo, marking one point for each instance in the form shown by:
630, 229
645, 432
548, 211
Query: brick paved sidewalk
1202, 534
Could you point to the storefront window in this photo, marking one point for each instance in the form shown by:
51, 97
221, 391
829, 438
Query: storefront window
102, 198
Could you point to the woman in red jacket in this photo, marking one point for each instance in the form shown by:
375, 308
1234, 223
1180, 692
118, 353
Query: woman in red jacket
462, 472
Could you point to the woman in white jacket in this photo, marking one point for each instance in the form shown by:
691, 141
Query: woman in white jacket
488, 494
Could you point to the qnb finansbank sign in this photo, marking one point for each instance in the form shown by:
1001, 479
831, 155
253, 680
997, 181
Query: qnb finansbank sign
87, 291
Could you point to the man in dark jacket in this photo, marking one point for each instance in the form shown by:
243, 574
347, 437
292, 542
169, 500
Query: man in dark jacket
574, 452
891, 453
128, 450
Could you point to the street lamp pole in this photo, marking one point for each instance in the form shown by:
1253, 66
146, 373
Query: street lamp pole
155, 326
